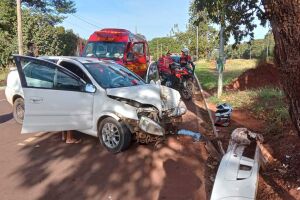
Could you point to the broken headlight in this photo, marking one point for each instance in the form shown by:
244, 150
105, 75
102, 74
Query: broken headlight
149, 126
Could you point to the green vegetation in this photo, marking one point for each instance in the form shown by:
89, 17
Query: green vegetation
261, 49
179, 39
267, 104
3, 74
207, 74
39, 27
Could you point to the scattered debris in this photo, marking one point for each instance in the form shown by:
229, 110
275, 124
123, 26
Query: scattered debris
196, 136
237, 176
223, 114
211, 166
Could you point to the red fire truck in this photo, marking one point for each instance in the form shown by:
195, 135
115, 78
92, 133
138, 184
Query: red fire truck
126, 48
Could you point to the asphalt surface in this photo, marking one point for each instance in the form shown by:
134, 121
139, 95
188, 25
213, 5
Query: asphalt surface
41, 166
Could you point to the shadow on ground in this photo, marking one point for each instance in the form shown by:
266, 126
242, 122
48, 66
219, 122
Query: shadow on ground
88, 171
6, 117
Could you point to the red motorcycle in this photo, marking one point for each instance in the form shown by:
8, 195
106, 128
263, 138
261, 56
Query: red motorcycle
182, 80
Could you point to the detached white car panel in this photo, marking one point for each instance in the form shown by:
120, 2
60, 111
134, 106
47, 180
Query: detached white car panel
237, 176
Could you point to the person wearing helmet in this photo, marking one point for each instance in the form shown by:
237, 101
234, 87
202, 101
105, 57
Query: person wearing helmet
185, 59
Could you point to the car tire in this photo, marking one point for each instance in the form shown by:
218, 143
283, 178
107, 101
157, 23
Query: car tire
114, 135
18, 110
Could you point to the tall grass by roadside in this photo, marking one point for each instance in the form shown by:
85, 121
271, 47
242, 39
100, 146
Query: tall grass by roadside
267, 104
208, 76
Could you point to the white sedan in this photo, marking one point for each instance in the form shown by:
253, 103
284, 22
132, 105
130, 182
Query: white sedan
99, 98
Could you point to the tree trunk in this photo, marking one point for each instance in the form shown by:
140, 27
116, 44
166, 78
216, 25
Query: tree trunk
284, 16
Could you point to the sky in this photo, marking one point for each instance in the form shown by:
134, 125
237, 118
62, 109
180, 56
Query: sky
152, 18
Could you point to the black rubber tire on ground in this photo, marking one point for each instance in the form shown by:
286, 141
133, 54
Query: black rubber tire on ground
18, 104
125, 135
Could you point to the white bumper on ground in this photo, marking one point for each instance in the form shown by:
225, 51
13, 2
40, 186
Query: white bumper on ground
237, 176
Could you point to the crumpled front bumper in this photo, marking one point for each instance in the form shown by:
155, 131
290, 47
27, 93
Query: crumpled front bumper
177, 111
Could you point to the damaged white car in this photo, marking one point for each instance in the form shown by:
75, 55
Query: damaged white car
99, 98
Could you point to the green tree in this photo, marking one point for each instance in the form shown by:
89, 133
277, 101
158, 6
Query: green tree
39, 20
7, 30
49, 39
180, 39
284, 18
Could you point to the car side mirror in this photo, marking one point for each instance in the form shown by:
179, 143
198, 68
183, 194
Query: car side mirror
90, 88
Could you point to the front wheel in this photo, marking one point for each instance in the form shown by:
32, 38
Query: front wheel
18, 110
115, 136
187, 89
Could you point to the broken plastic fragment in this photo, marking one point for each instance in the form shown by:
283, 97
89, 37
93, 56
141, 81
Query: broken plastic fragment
194, 135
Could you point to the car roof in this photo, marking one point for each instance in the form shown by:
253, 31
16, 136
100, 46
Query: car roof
83, 60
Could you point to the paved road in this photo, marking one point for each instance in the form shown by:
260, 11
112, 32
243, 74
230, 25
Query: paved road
41, 166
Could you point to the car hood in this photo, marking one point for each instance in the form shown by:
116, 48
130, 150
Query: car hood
161, 97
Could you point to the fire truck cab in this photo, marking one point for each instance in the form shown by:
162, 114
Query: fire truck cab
120, 45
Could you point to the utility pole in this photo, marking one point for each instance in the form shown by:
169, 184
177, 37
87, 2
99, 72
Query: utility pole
19, 21
221, 54
197, 40
267, 47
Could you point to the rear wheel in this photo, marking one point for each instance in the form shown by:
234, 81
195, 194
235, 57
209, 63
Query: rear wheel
115, 136
18, 110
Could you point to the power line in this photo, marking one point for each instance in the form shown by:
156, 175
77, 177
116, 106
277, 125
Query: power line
91, 20
80, 18
76, 25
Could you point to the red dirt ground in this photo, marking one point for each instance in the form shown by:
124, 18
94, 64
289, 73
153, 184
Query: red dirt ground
265, 74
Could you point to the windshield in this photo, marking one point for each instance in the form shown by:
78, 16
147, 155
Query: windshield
111, 50
113, 75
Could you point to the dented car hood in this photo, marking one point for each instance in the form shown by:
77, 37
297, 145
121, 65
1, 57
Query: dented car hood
161, 97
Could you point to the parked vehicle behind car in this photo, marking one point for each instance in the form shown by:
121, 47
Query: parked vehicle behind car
179, 77
99, 98
120, 45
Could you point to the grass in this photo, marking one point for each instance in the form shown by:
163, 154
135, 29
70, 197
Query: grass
208, 76
3, 75
267, 104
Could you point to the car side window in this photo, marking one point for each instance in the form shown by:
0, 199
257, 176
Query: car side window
40, 74
37, 75
64, 81
138, 49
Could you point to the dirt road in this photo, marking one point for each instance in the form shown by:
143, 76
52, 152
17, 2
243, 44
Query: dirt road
41, 166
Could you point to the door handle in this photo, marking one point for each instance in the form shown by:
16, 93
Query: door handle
36, 100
